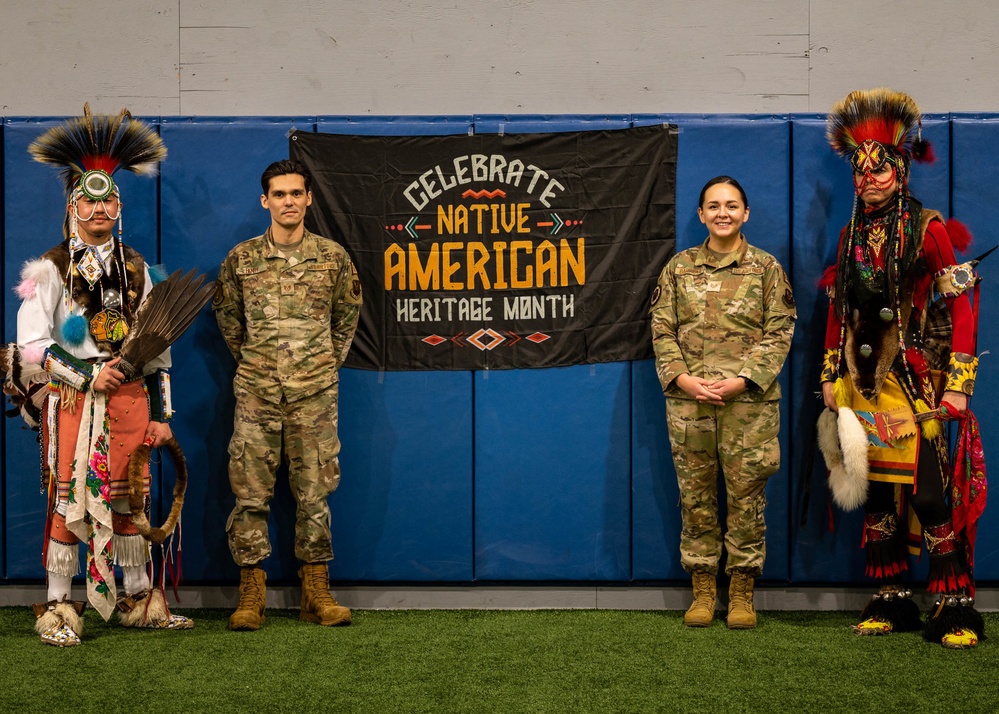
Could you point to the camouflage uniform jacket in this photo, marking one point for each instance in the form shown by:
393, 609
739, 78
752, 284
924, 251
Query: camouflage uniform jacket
288, 326
725, 317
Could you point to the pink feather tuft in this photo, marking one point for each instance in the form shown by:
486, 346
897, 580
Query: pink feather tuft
960, 236
26, 289
33, 354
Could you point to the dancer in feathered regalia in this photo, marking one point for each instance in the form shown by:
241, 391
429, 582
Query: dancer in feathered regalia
899, 361
79, 305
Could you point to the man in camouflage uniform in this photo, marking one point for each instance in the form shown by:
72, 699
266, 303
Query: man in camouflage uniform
722, 320
287, 303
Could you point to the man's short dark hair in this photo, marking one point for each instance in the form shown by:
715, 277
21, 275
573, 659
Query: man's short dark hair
280, 168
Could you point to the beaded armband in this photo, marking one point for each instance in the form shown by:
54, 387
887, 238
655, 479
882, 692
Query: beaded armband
160, 400
68, 369
955, 279
830, 366
961, 373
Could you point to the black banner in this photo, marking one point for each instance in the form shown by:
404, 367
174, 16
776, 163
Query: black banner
498, 251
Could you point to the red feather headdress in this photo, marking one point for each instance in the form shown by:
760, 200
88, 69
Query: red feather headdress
883, 115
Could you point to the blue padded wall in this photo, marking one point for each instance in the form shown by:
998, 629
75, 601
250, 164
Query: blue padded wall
27, 235
754, 151
406, 495
551, 452
975, 188
530, 475
552, 473
822, 199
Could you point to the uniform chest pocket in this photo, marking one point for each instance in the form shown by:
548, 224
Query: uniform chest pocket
746, 296
692, 285
259, 287
314, 289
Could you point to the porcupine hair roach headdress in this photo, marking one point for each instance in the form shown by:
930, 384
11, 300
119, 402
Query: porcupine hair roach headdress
872, 126
90, 149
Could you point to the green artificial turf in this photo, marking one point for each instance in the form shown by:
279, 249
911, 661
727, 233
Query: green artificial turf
494, 661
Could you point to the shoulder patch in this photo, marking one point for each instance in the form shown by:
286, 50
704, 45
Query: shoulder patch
788, 297
219, 297
353, 293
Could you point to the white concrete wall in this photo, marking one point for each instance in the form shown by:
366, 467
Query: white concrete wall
388, 57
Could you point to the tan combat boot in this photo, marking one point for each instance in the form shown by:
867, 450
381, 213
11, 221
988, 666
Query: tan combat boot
702, 611
318, 605
249, 613
741, 613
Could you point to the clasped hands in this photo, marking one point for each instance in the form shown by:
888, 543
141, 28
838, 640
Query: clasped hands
711, 391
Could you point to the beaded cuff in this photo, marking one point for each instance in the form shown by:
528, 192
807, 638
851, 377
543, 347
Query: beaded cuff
830, 366
68, 369
880, 526
941, 540
955, 279
160, 399
961, 373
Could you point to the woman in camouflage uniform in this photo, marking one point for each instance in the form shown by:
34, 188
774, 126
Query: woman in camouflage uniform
722, 320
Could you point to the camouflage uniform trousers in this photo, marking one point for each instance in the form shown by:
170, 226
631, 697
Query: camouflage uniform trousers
303, 432
740, 439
